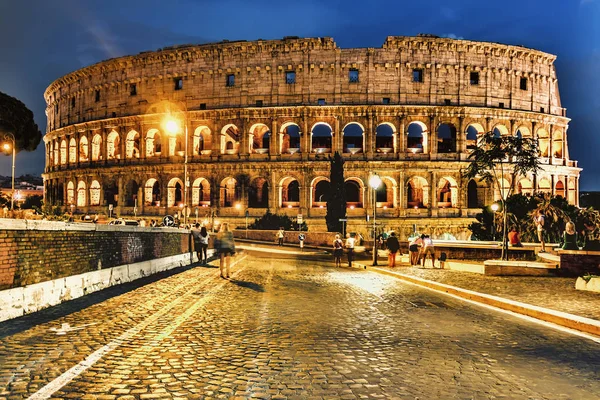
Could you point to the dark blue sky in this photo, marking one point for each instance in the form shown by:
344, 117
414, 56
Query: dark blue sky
43, 40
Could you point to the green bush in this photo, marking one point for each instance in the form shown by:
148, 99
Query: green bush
271, 221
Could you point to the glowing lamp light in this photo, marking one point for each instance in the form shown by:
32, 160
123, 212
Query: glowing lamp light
320, 206
289, 206
416, 207
238, 206
352, 207
385, 207
414, 150
171, 126
6, 147
495, 207
374, 181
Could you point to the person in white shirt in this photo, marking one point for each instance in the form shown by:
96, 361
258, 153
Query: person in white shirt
350, 247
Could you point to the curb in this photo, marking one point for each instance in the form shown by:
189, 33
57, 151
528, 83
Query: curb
567, 320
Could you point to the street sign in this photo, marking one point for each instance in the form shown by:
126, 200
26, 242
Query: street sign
299, 218
343, 220
168, 220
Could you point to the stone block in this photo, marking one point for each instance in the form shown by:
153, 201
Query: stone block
11, 303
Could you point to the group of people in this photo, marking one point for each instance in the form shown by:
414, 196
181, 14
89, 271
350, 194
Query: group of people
419, 248
224, 247
338, 249
569, 240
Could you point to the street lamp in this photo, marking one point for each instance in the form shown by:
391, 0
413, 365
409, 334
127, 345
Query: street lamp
6, 148
494, 208
172, 126
374, 182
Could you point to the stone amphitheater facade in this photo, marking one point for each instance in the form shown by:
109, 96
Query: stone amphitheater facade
263, 117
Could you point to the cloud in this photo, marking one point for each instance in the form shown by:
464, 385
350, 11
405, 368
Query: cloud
451, 36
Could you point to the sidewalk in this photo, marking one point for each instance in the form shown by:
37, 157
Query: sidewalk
552, 299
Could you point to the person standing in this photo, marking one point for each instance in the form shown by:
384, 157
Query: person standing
393, 246
203, 238
413, 250
428, 248
225, 247
350, 248
280, 236
196, 237
301, 238
338, 248
540, 220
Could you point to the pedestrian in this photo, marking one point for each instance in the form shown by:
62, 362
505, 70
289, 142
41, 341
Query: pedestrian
142, 223
384, 238
428, 248
280, 235
338, 249
152, 223
570, 237
301, 238
393, 246
350, 248
196, 237
413, 250
540, 220
225, 248
514, 238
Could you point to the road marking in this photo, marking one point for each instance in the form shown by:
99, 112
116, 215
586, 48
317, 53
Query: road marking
47, 391
66, 328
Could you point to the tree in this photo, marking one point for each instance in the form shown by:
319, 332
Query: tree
336, 203
497, 157
17, 119
273, 222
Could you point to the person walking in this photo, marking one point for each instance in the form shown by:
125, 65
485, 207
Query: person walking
540, 220
428, 248
414, 251
280, 235
570, 237
203, 238
393, 246
225, 247
350, 241
338, 249
196, 237
301, 238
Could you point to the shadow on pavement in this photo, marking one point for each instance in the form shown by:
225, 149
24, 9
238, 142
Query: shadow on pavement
250, 285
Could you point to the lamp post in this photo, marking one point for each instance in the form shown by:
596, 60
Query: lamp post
494, 208
374, 182
172, 127
6, 147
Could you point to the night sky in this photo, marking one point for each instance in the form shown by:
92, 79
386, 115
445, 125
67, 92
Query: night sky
41, 41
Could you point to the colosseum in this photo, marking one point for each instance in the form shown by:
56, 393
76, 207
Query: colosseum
233, 129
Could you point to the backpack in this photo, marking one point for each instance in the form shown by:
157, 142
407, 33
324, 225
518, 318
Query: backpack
337, 244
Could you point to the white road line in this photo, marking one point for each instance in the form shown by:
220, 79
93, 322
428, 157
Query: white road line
47, 391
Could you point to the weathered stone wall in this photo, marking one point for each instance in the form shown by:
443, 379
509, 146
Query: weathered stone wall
39, 251
579, 262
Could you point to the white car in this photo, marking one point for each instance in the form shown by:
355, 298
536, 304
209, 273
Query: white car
121, 221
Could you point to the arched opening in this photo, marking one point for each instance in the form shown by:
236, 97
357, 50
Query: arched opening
111, 194
83, 149
544, 186
201, 193
261, 136
152, 192
321, 138
72, 151
416, 141
81, 194
290, 192
202, 142
353, 138
446, 136
447, 194
229, 192
132, 145
353, 193
131, 193
417, 193
543, 142
557, 144
559, 189
70, 193
501, 192
56, 153
525, 187
384, 139
63, 152
230, 139
290, 142
175, 193
473, 131
321, 192
153, 143
95, 193
473, 198
113, 146
500, 130
258, 193
96, 146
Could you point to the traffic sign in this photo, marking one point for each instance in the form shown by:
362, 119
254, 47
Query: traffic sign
343, 220
168, 220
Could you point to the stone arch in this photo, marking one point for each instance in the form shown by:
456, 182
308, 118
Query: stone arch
557, 144
113, 148
525, 187
417, 192
384, 138
416, 137
229, 192
544, 186
81, 194
290, 138
258, 193
83, 149
153, 143
320, 192
355, 190
131, 193
321, 138
472, 133
111, 192
96, 147
475, 194
559, 189
132, 144
175, 192
447, 192
260, 136
353, 138
523, 132
70, 193
152, 192
95, 189
543, 142
63, 152
500, 130
56, 153
289, 192
72, 151
501, 191
446, 136
202, 142
386, 193
230, 139
201, 192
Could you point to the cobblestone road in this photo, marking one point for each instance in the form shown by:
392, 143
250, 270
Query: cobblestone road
283, 329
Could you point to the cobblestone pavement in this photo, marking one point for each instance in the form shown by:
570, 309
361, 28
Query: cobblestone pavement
555, 293
297, 330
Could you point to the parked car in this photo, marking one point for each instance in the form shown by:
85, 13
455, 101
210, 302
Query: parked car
121, 221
